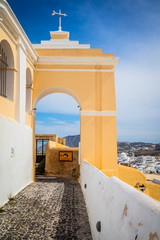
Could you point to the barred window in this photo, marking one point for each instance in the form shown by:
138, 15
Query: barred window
3, 75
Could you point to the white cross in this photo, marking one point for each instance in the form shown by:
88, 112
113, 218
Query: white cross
60, 14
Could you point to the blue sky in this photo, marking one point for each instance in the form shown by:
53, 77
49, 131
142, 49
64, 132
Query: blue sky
62, 118
128, 28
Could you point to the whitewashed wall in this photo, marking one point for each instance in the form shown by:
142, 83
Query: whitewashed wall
15, 136
124, 212
15, 167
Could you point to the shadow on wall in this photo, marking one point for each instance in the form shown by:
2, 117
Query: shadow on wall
61, 160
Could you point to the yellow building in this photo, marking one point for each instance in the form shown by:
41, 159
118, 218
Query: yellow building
30, 72
88, 76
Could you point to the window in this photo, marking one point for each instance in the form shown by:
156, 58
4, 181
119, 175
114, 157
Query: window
6, 71
3, 69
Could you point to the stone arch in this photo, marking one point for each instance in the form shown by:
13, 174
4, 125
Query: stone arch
28, 90
56, 89
9, 81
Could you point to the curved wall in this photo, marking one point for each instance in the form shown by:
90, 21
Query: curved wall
124, 212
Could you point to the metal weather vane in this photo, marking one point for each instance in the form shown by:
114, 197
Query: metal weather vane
60, 14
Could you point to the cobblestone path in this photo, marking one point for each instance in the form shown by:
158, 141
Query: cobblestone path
51, 208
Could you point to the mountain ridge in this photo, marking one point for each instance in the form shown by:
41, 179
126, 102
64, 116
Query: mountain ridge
73, 141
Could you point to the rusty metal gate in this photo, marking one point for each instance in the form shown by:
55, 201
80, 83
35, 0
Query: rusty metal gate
41, 149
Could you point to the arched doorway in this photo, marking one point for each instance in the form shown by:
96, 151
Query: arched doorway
7, 70
57, 122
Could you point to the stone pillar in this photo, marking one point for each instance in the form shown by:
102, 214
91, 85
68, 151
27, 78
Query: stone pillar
109, 133
109, 144
21, 83
98, 127
33, 145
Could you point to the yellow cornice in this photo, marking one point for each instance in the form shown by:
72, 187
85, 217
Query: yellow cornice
58, 66
96, 52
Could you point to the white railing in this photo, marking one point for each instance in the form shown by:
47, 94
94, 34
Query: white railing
116, 210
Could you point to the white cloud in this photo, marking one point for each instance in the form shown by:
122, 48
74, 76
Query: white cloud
39, 122
62, 128
52, 119
138, 92
58, 103
126, 133
138, 84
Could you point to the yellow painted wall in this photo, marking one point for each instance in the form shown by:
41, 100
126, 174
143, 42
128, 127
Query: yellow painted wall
153, 190
7, 108
74, 66
108, 91
135, 178
58, 145
132, 176
73, 52
96, 92
81, 83
109, 142
87, 138
28, 119
64, 36
55, 167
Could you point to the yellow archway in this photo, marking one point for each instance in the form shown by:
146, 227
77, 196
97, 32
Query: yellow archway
88, 76
56, 89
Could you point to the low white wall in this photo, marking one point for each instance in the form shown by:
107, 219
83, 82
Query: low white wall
16, 166
124, 212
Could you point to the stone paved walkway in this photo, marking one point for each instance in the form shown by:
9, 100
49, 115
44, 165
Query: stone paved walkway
51, 208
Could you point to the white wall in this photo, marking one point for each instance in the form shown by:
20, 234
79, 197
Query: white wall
15, 168
124, 212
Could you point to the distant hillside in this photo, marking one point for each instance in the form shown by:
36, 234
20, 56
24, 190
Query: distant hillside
72, 141
133, 144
